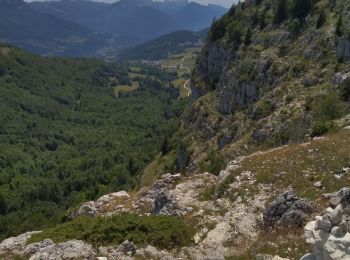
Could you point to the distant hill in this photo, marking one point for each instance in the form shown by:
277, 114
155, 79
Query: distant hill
135, 20
48, 35
164, 46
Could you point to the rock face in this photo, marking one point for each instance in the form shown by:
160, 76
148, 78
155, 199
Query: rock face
158, 200
109, 204
15, 245
46, 249
329, 234
287, 210
74, 249
343, 51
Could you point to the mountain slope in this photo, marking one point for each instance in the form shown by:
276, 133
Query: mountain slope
48, 35
267, 84
194, 16
162, 47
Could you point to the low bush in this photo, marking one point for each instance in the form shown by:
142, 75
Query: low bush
164, 232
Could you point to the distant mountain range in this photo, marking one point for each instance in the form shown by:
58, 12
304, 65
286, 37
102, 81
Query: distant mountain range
87, 28
48, 35
139, 20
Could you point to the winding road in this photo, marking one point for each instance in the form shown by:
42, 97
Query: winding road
182, 66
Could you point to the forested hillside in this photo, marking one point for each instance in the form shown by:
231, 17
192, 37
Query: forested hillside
162, 47
66, 138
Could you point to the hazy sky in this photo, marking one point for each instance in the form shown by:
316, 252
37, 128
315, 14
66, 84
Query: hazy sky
226, 3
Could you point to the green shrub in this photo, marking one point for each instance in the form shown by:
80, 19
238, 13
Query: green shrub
319, 129
345, 90
327, 107
339, 27
214, 163
164, 232
248, 37
295, 27
235, 35
321, 19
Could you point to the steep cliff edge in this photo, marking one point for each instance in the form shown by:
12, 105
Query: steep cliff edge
267, 83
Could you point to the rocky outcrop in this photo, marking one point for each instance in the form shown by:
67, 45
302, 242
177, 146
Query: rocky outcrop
329, 234
212, 62
109, 204
126, 248
15, 245
343, 50
287, 211
74, 249
158, 199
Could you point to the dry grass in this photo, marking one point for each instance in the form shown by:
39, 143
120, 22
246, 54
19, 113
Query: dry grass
301, 165
4, 50
287, 244
158, 166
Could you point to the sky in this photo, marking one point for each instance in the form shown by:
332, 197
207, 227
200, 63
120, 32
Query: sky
226, 3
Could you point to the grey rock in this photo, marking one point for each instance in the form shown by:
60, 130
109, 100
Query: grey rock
338, 232
127, 247
342, 196
287, 210
329, 234
73, 249
336, 215
324, 224
38, 246
16, 245
343, 50
340, 78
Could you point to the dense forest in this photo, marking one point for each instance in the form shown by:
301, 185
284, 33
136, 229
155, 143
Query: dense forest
66, 138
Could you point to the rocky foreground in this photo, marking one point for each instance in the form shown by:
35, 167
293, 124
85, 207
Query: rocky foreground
236, 217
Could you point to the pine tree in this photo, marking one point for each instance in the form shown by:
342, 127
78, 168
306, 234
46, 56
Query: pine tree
248, 37
321, 19
262, 22
281, 12
165, 146
301, 8
232, 10
217, 30
255, 19
338, 30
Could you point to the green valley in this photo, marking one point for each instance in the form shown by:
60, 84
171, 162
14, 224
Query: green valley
66, 138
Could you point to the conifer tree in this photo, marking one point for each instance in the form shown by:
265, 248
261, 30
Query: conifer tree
248, 37
321, 19
262, 22
281, 12
338, 30
232, 10
301, 8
